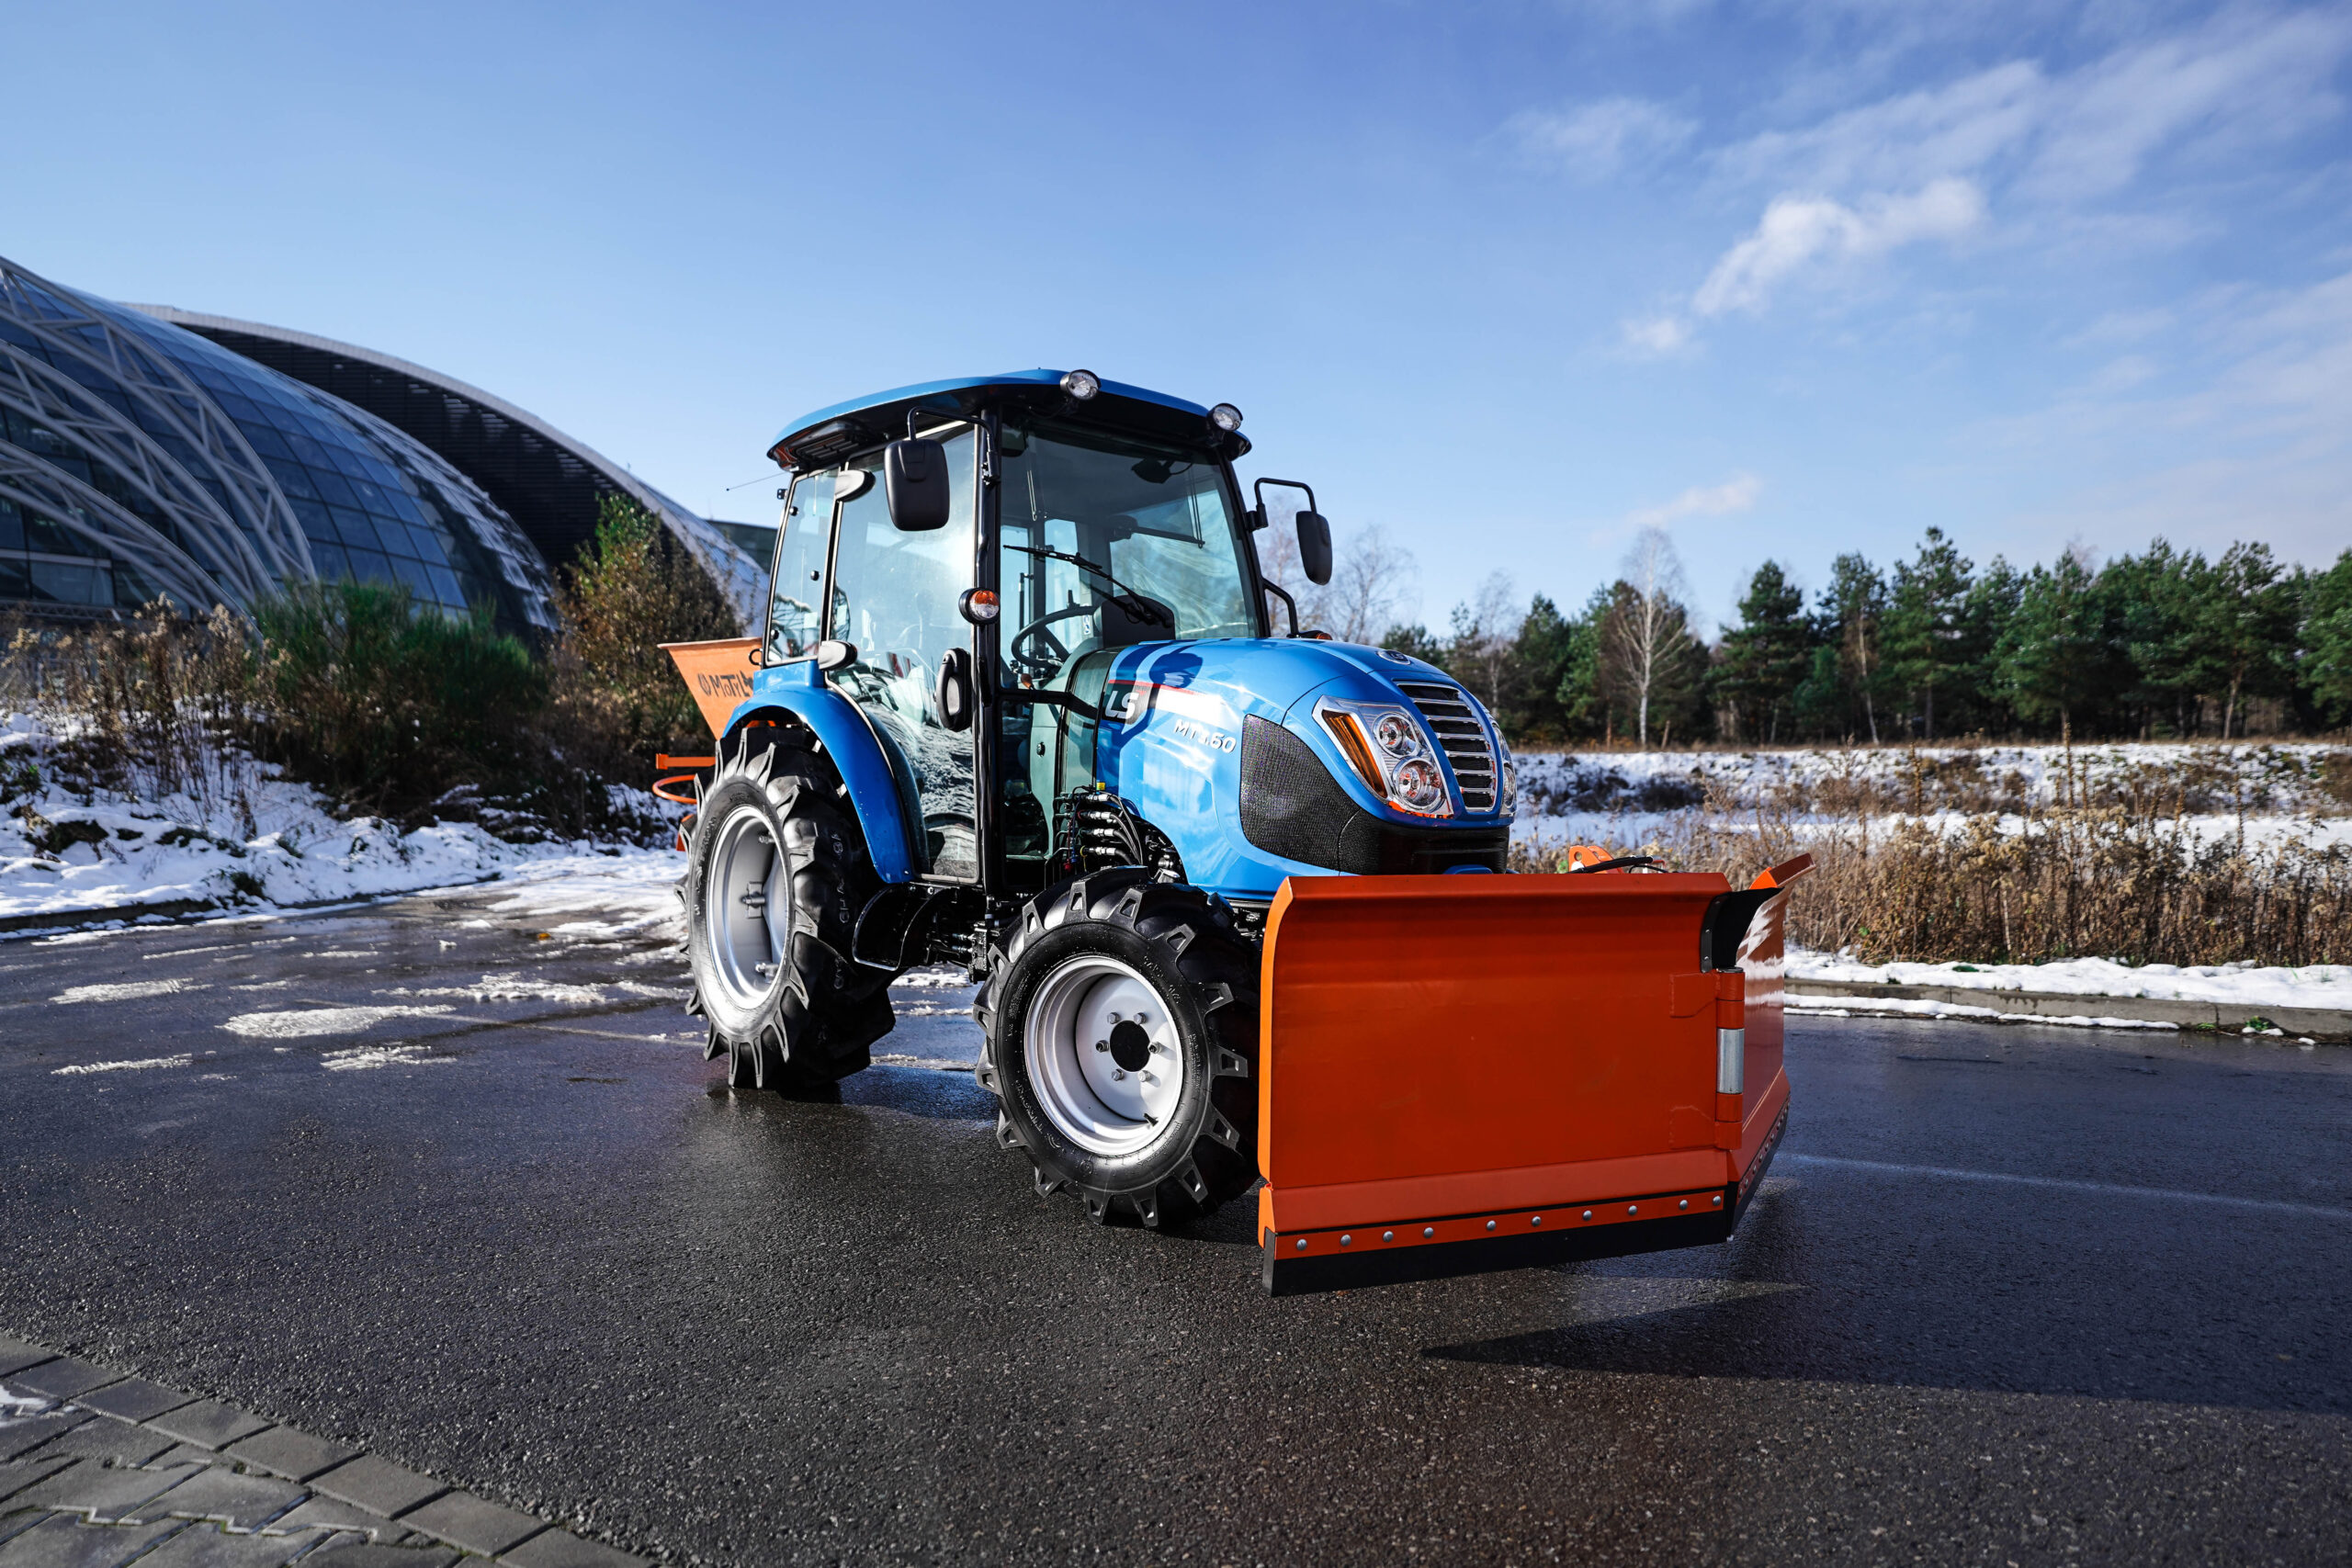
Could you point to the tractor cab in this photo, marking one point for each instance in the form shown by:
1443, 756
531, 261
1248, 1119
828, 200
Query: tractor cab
972, 564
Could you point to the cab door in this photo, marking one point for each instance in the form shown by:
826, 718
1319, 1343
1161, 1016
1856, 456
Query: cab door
896, 597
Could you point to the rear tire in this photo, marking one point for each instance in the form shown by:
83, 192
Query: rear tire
775, 875
1121, 1040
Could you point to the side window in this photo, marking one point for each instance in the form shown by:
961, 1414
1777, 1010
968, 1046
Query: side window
796, 592
894, 598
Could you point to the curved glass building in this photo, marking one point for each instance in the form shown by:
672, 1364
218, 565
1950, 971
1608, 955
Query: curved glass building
145, 451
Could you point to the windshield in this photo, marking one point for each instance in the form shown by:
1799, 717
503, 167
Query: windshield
1109, 540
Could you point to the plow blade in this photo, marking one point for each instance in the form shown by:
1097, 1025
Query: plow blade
1467, 1073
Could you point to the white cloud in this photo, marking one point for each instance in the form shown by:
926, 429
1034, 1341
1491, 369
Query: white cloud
2051, 146
2243, 77
1596, 141
1798, 231
1737, 495
1658, 336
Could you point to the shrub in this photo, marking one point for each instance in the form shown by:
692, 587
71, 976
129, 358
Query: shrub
389, 708
618, 698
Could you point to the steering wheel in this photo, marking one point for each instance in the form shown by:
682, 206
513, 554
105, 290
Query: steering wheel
1044, 659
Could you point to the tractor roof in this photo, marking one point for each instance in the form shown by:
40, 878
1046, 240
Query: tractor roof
882, 415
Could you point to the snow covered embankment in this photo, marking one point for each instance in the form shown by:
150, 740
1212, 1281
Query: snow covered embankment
260, 841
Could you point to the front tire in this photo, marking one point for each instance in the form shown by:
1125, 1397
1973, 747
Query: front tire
775, 875
1121, 1040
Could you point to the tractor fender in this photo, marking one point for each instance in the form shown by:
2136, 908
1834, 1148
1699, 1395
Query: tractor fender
798, 689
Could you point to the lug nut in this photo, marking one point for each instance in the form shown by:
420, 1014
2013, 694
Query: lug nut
1119, 1075
1102, 1045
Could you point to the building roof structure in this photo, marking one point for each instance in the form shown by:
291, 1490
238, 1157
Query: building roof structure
150, 451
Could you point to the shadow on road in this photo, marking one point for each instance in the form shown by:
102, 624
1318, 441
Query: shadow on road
1819, 1288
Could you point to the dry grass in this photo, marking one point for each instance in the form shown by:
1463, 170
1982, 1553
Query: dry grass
2110, 882
156, 706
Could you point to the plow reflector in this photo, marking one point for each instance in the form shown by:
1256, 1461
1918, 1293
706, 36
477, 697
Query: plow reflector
1464, 1072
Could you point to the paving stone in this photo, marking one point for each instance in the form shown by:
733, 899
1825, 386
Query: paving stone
377, 1555
378, 1485
210, 1546
14, 1478
16, 1354
247, 1502
63, 1377
333, 1513
62, 1540
562, 1549
116, 1442
18, 1438
186, 1453
291, 1453
209, 1423
109, 1493
133, 1399
12, 1524
475, 1523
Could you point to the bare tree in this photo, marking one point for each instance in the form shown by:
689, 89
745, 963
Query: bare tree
1485, 630
1371, 579
1649, 626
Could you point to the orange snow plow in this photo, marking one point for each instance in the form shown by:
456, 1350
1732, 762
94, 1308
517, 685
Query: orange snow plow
1463, 1073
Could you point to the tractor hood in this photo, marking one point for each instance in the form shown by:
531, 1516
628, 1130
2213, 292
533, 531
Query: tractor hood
1205, 737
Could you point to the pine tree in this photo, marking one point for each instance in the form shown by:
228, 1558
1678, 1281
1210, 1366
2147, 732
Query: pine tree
1923, 623
2059, 656
1854, 605
2327, 639
1766, 656
2244, 629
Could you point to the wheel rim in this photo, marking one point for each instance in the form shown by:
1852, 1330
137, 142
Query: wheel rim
1103, 1056
746, 907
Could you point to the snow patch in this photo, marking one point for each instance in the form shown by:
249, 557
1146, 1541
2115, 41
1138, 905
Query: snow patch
2253, 986
123, 1067
364, 1056
511, 989
17, 1406
126, 991
296, 1025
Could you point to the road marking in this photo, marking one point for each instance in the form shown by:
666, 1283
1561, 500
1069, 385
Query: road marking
2064, 1184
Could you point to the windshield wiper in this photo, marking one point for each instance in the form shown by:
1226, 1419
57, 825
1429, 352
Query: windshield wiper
1149, 611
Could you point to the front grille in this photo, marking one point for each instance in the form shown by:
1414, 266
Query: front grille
1454, 716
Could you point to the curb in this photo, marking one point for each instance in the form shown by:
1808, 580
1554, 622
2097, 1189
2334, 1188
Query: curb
60, 1463
2010, 1007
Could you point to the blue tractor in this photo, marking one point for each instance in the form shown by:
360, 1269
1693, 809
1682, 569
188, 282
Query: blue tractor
1026, 702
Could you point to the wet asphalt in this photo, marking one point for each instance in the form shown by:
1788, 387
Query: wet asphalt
2012, 1295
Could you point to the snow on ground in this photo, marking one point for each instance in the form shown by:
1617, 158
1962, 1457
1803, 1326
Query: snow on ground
2247, 985
2274, 793
260, 841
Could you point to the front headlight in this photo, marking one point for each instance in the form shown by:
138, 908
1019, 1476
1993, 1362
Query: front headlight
1391, 752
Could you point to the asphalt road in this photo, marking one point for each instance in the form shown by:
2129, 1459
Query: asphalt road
2013, 1295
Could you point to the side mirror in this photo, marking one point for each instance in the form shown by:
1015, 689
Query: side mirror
832, 655
914, 475
1314, 546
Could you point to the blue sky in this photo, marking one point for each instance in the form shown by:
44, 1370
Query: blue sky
1508, 280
